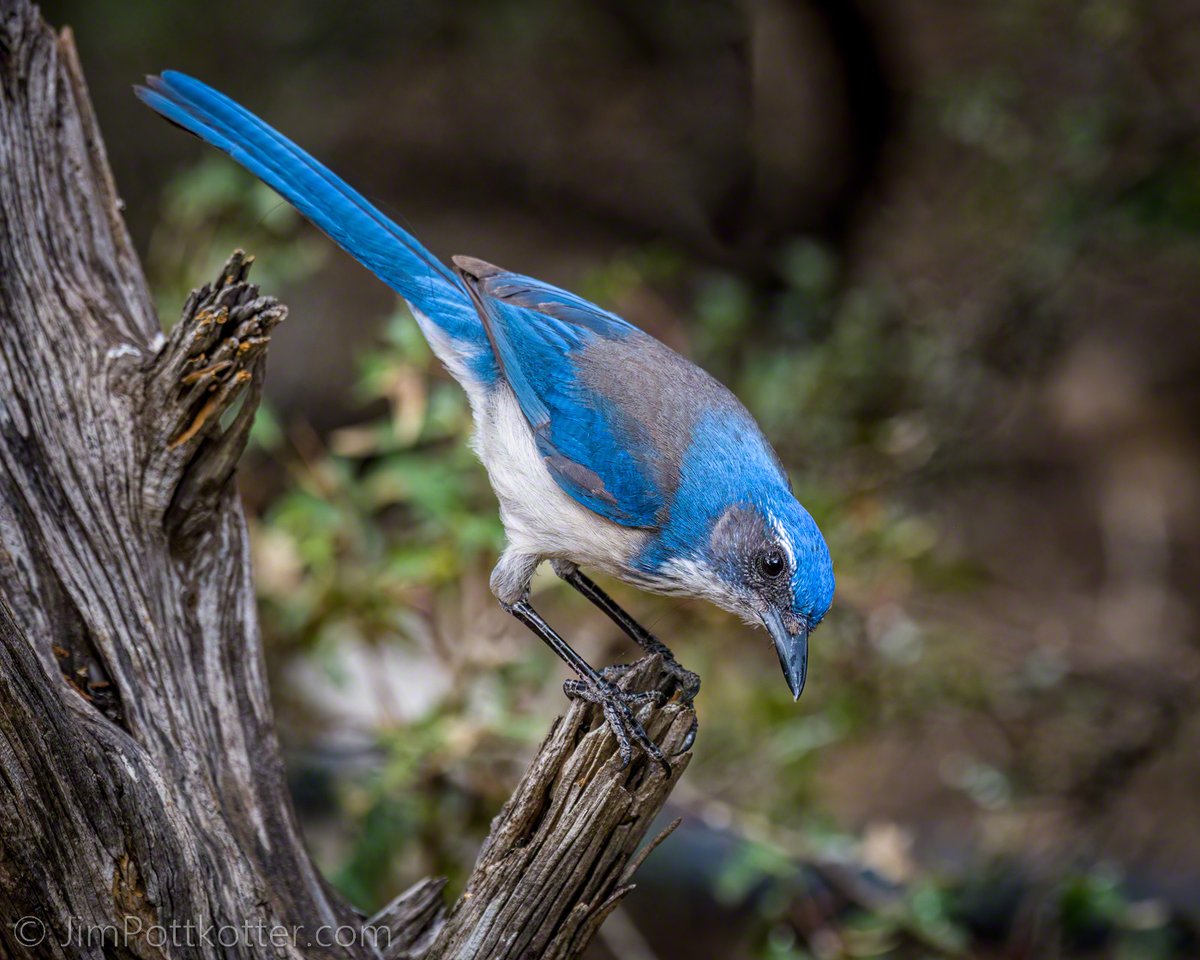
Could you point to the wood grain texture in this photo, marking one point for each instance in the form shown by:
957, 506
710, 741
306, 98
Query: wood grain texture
141, 782
561, 855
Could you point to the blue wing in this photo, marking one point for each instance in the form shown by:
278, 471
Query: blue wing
375, 241
596, 450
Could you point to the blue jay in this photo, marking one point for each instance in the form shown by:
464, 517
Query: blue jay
606, 449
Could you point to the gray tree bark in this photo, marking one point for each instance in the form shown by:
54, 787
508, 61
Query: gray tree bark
143, 808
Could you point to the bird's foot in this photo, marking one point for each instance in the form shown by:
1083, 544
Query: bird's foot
617, 705
686, 682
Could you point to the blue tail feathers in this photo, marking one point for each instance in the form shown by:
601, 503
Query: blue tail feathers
350, 220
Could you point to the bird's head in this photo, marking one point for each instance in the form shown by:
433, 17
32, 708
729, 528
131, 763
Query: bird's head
775, 569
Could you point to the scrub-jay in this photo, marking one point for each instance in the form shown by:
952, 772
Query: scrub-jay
606, 449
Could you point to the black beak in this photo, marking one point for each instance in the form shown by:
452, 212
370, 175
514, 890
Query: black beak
792, 650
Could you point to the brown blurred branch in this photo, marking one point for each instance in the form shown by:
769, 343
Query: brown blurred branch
143, 784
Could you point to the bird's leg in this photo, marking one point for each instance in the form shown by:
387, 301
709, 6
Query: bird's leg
593, 688
687, 681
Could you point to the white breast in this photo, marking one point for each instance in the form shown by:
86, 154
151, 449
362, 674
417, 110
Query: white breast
541, 521
539, 518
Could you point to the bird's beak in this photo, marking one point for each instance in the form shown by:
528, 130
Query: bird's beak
792, 650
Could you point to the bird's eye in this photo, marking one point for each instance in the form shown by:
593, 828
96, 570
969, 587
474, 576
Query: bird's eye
772, 564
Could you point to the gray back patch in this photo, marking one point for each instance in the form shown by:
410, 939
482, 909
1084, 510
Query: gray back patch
660, 395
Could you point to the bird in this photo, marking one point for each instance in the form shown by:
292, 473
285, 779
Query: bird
607, 450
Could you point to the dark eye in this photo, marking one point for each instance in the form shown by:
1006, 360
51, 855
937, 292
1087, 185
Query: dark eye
772, 564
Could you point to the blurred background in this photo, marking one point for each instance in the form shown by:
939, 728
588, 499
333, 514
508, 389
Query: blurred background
948, 254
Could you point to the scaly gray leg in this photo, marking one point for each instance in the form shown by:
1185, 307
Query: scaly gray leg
594, 688
687, 681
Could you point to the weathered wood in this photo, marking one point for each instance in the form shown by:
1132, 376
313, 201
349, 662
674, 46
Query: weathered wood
412, 921
167, 802
561, 854
143, 809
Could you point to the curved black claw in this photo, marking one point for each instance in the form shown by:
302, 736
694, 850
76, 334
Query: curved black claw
616, 704
689, 738
686, 682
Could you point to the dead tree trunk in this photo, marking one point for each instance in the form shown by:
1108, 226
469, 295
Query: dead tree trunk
143, 810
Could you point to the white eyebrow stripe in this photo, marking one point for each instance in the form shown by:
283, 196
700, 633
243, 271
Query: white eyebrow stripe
784, 539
